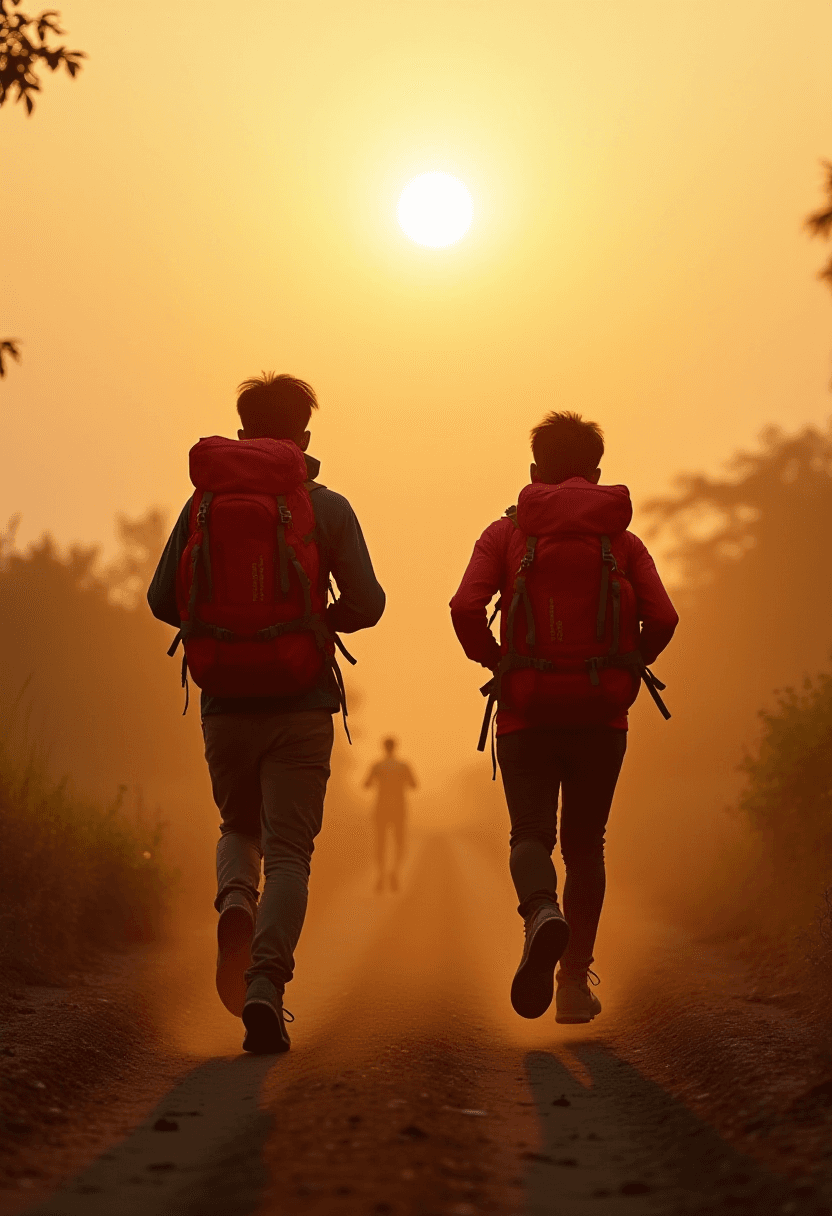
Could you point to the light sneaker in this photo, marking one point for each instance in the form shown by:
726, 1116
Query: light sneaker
547, 935
235, 931
263, 1018
576, 1003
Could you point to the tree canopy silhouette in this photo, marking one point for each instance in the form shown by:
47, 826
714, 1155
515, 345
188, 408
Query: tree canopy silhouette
819, 222
768, 507
25, 48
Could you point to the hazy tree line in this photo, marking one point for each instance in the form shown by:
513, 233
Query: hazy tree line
755, 585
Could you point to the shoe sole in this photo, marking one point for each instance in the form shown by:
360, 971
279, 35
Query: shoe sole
533, 987
235, 932
264, 1035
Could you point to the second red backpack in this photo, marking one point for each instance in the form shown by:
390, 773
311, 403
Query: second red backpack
249, 585
569, 617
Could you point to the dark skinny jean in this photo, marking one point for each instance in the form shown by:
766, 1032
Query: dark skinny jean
583, 766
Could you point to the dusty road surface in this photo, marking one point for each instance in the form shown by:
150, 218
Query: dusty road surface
413, 1088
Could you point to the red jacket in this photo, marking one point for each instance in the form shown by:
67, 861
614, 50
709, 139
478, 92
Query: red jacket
496, 558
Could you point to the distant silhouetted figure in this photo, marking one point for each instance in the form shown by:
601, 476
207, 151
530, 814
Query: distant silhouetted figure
392, 778
582, 613
244, 576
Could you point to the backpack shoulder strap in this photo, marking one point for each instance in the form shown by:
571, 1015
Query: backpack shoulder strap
311, 487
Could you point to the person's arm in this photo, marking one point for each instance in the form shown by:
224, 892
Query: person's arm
161, 594
657, 615
361, 599
411, 780
480, 583
370, 779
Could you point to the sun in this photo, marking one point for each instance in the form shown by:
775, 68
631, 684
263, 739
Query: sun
435, 209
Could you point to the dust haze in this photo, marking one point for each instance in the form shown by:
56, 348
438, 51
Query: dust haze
643, 263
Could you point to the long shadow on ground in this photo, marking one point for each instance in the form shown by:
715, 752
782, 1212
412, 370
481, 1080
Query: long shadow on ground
614, 1142
200, 1152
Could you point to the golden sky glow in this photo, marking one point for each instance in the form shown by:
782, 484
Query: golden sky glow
217, 194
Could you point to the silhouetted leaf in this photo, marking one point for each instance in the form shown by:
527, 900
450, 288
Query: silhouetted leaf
24, 47
820, 222
10, 348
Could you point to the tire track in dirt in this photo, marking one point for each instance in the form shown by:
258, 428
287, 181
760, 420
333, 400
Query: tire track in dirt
217, 1105
412, 1088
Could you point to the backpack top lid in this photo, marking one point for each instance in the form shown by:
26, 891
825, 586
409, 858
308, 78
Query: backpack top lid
254, 466
573, 506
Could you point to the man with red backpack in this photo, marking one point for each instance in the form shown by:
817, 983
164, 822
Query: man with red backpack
583, 612
244, 577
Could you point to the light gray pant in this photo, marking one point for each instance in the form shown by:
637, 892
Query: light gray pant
269, 775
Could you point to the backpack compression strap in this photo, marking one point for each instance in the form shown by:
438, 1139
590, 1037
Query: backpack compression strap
512, 660
607, 564
284, 519
635, 663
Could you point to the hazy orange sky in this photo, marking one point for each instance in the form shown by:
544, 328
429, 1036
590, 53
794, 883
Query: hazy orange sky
216, 193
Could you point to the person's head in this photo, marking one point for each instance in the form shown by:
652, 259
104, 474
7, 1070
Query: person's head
276, 407
389, 745
564, 446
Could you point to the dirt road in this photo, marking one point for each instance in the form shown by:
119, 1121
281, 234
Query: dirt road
413, 1088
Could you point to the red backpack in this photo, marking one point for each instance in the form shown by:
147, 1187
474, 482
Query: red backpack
249, 585
569, 617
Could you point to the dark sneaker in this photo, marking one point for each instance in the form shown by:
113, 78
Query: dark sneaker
263, 1015
234, 933
576, 1003
547, 935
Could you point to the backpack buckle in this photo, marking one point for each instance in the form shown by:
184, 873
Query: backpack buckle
285, 515
528, 556
607, 555
202, 512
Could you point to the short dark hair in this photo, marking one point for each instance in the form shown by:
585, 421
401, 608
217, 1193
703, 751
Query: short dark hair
275, 407
564, 445
390, 743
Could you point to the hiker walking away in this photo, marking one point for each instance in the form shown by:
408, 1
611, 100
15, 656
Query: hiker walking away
583, 612
244, 577
392, 778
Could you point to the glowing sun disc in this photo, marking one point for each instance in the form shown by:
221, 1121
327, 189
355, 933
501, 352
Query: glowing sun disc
435, 209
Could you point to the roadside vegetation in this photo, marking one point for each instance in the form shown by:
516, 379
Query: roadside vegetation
787, 805
84, 726
787, 799
77, 876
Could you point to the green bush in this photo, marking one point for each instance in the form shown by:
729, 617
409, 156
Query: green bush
788, 795
76, 876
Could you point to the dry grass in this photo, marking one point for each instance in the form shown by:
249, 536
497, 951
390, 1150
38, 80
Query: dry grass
76, 876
